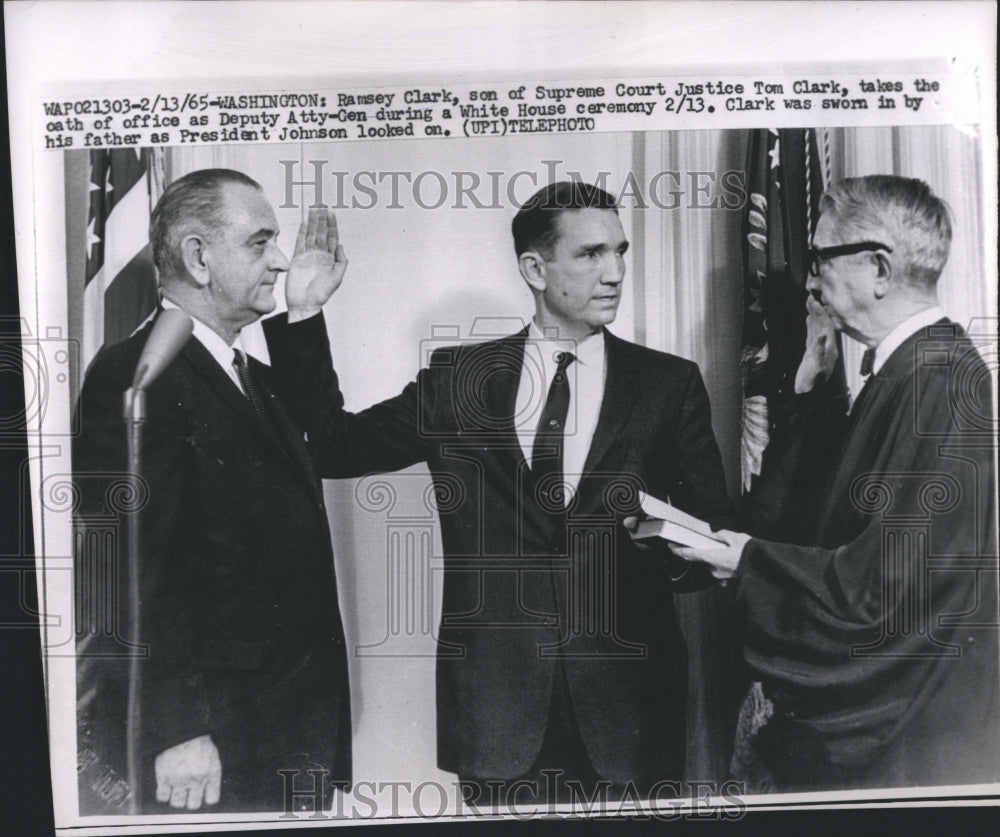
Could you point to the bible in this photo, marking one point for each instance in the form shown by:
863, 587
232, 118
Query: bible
671, 524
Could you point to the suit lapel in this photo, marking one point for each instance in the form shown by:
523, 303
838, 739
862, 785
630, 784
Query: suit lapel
290, 447
502, 388
222, 385
291, 441
622, 385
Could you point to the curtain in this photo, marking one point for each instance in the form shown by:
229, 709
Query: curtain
689, 302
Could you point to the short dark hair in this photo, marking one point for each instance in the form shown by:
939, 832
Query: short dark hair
192, 203
534, 226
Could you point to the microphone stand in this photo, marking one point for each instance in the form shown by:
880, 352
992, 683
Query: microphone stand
134, 414
170, 332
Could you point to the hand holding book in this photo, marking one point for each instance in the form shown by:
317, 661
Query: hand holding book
689, 538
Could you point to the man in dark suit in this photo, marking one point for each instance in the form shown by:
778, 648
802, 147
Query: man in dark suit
244, 670
559, 654
877, 642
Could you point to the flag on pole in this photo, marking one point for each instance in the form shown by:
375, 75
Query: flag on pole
119, 287
786, 175
112, 291
788, 443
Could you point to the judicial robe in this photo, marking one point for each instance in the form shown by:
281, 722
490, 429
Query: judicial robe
878, 644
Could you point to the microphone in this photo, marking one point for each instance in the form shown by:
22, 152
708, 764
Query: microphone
169, 334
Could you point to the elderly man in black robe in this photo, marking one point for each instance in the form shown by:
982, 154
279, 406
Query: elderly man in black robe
877, 643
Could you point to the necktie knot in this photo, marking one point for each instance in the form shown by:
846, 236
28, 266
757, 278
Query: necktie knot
563, 359
867, 363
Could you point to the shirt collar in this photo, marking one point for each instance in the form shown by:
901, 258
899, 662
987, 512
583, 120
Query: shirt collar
588, 352
910, 326
217, 347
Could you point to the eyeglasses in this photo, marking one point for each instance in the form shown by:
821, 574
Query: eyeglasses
817, 254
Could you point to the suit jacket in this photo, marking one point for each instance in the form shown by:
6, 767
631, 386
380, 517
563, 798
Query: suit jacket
878, 642
239, 605
526, 585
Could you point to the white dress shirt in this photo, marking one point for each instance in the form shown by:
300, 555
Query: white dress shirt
217, 347
586, 377
901, 333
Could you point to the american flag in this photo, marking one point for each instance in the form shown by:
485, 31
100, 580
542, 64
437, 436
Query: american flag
119, 287
786, 174
112, 291
787, 171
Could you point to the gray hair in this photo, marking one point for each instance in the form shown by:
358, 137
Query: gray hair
192, 204
901, 212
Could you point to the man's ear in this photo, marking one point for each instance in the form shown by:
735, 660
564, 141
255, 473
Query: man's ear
193, 251
883, 278
532, 267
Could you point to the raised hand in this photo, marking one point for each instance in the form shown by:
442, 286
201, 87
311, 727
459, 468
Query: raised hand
821, 352
317, 267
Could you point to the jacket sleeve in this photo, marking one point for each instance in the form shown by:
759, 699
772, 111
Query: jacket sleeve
701, 489
700, 484
385, 437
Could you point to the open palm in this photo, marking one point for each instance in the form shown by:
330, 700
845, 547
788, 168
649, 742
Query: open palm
318, 263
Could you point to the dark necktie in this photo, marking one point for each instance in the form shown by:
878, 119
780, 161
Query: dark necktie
867, 367
548, 468
867, 362
252, 389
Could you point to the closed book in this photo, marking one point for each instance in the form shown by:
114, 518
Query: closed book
671, 524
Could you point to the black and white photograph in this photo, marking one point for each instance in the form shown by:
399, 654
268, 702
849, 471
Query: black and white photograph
512, 442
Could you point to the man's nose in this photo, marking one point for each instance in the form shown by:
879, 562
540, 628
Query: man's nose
278, 262
812, 285
614, 270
